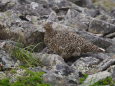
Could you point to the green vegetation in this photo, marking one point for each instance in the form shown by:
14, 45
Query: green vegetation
82, 79
107, 81
30, 79
25, 56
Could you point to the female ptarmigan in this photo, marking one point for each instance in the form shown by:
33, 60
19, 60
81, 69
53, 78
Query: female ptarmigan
66, 43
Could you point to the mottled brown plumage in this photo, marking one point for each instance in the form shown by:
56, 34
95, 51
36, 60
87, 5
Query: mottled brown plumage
66, 43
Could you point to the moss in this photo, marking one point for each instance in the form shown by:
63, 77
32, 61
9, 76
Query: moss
82, 79
107, 81
30, 79
4, 82
13, 71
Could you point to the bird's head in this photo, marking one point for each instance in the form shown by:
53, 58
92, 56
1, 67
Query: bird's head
48, 26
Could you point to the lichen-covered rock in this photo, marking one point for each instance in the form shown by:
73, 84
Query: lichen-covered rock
101, 27
6, 60
2, 75
105, 64
72, 19
100, 56
49, 60
99, 41
86, 65
62, 75
20, 30
91, 79
15, 76
113, 73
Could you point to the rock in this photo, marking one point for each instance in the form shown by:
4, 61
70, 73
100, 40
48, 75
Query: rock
6, 60
32, 8
99, 41
92, 12
91, 79
9, 45
111, 49
62, 75
113, 73
49, 60
22, 31
113, 13
7, 5
71, 19
86, 65
100, 56
2, 75
111, 35
106, 18
38, 69
85, 3
105, 64
53, 17
14, 77
101, 27
59, 73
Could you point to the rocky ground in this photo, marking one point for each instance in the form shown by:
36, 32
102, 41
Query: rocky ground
22, 44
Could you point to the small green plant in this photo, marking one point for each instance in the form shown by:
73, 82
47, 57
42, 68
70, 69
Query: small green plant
4, 82
82, 79
30, 79
107, 81
25, 56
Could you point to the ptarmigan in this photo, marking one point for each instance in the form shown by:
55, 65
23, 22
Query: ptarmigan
66, 43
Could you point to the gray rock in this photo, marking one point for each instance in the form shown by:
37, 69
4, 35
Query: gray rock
14, 77
62, 75
31, 8
86, 3
6, 60
91, 12
113, 13
49, 60
99, 41
53, 17
22, 31
100, 56
113, 73
86, 65
101, 27
111, 35
9, 45
91, 79
105, 64
106, 18
71, 19
111, 49
2, 75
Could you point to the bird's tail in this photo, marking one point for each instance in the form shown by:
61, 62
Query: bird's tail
93, 48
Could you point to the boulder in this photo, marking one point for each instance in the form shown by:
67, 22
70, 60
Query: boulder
91, 79
101, 27
86, 65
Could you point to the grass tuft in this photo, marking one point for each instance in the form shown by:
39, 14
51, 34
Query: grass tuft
25, 55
